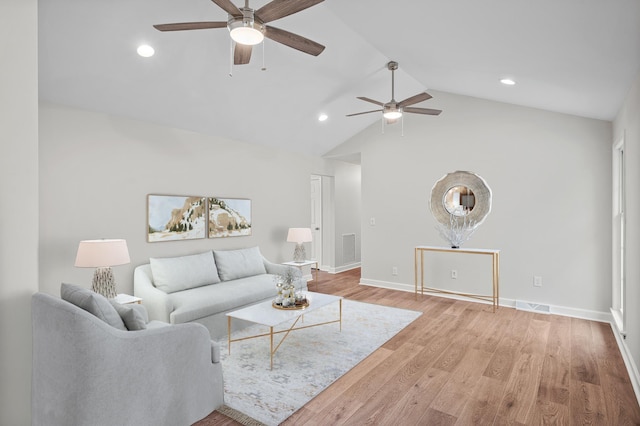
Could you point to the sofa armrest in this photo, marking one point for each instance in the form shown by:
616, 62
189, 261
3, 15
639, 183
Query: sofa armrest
155, 300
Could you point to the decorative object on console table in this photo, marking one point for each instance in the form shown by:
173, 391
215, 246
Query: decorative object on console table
102, 255
299, 236
460, 201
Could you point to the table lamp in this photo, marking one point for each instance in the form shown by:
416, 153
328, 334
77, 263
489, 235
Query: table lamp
102, 255
299, 236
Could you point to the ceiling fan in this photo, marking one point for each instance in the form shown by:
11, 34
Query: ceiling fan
248, 27
393, 110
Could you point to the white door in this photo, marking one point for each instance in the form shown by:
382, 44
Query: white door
316, 218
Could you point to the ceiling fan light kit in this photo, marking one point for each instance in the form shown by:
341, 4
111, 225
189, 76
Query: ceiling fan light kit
392, 111
246, 31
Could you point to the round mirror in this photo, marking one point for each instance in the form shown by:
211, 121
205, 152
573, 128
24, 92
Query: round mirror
459, 200
460, 196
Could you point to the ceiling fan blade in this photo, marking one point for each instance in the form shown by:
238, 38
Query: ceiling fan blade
190, 26
414, 99
425, 111
370, 100
241, 54
228, 7
280, 8
366, 112
293, 40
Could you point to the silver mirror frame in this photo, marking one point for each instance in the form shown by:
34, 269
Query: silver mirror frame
478, 186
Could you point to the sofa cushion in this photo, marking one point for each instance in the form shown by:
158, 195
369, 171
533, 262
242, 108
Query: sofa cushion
93, 303
234, 264
171, 274
132, 318
202, 302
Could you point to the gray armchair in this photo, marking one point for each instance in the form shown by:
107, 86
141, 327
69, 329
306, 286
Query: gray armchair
86, 372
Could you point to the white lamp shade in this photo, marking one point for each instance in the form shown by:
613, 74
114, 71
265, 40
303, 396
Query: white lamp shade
102, 253
299, 235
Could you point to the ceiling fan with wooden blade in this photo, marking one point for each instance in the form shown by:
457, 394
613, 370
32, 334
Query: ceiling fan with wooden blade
393, 110
247, 27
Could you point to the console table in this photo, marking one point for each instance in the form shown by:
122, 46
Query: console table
495, 257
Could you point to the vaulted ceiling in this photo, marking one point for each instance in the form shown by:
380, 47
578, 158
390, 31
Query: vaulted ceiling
573, 56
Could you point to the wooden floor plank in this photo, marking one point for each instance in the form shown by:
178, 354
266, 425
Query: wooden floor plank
525, 381
483, 405
522, 389
587, 404
583, 363
457, 392
556, 369
410, 408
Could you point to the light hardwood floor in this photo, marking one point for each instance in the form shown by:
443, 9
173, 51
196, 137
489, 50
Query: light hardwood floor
461, 364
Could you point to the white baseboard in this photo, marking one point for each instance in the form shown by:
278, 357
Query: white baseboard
509, 303
629, 362
338, 269
632, 367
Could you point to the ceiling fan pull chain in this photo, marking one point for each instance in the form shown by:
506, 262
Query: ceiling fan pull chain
264, 68
230, 57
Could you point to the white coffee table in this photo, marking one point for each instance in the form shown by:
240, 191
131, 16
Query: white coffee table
265, 314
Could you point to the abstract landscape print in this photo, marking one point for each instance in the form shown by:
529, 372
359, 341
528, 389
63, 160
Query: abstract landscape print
175, 217
229, 217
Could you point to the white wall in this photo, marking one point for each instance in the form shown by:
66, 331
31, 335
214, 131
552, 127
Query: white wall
347, 211
19, 208
627, 123
96, 171
551, 180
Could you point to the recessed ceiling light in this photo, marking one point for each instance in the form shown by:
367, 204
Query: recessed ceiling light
507, 81
323, 117
145, 51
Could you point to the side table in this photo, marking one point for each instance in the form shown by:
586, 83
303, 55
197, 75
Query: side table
124, 299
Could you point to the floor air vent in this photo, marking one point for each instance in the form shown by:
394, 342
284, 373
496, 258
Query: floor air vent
532, 307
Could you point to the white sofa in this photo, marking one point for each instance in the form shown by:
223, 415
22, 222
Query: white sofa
89, 369
203, 287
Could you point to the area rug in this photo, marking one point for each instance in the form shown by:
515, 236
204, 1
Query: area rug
307, 362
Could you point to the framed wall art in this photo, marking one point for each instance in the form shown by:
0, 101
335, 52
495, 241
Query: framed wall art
229, 217
175, 217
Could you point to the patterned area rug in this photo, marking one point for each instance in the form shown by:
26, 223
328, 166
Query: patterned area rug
308, 361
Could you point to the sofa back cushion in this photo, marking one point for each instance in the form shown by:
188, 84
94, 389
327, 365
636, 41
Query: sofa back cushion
171, 274
234, 264
93, 303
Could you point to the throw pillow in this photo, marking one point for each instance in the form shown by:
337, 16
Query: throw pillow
132, 319
234, 264
93, 303
171, 274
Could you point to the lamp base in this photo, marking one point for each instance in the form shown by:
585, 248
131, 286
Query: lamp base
299, 254
104, 283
